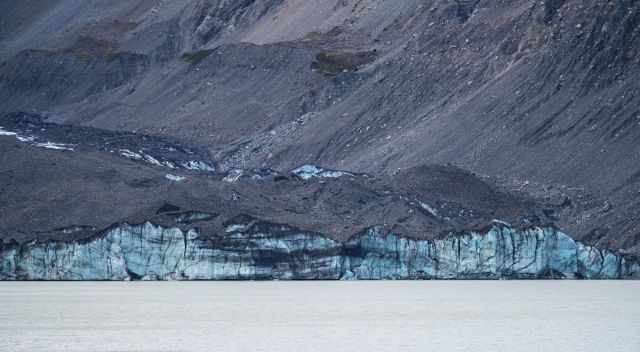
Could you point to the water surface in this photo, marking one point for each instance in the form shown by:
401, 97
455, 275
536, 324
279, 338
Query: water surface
450, 316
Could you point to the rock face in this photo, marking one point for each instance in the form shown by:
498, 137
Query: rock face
254, 250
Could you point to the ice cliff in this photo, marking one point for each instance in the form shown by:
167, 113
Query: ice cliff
254, 250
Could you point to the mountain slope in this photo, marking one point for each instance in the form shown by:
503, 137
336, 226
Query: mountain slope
539, 98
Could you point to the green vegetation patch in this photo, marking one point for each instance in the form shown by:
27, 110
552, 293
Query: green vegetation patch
331, 63
196, 57
123, 26
86, 48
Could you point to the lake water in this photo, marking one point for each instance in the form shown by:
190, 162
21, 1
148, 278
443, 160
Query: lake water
447, 316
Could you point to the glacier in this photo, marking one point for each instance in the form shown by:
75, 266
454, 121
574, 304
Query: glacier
256, 250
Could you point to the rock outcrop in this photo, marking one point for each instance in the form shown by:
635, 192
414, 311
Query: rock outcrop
255, 250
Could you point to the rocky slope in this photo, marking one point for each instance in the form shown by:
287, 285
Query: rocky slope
525, 112
309, 223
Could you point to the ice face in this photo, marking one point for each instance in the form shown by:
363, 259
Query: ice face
152, 252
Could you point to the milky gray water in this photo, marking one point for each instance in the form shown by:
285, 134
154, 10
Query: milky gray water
519, 316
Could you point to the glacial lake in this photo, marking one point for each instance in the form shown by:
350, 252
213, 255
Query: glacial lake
449, 316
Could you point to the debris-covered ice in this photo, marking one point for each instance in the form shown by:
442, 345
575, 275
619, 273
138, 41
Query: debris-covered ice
55, 146
4, 132
500, 222
308, 171
429, 209
174, 178
198, 165
129, 154
233, 175
32, 141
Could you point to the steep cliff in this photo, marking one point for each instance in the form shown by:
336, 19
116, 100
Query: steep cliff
254, 250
